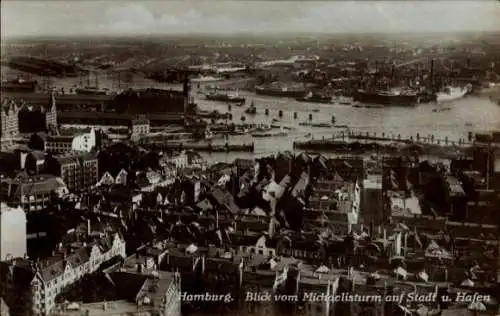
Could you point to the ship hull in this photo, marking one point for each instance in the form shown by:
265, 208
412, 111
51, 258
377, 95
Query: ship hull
226, 99
387, 100
280, 93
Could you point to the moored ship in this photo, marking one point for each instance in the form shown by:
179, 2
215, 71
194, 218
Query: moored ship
277, 90
395, 97
225, 97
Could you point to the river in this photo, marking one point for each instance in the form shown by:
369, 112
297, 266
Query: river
470, 114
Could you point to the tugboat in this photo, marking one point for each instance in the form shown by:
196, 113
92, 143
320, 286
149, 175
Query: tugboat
225, 97
252, 110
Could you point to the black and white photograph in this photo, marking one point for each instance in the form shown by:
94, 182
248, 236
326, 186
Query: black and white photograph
248, 158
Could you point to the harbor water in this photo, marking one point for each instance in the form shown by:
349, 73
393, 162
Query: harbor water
454, 120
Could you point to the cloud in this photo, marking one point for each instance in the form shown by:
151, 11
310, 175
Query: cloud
198, 16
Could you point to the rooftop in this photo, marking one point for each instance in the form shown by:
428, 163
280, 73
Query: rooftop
404, 206
373, 181
120, 307
24, 184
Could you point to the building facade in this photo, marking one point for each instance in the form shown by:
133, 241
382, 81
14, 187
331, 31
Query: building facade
33, 193
12, 232
78, 171
58, 144
43, 281
140, 127
38, 117
172, 305
9, 119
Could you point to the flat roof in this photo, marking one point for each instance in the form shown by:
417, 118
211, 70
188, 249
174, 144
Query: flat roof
402, 206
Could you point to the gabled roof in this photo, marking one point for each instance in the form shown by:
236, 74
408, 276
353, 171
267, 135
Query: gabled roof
224, 198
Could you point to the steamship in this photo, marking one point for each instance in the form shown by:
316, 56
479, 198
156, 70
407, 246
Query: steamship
277, 90
397, 97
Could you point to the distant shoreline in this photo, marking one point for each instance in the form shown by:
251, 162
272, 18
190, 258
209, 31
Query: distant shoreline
262, 35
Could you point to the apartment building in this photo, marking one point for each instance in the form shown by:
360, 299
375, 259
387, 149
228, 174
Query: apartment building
33, 193
30, 288
78, 170
9, 119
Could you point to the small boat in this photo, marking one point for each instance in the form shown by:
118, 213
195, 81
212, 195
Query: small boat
441, 109
252, 110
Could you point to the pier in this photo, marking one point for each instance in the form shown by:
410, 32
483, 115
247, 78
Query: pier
205, 146
364, 143
391, 138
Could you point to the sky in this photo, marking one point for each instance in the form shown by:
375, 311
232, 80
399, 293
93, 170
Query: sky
93, 17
